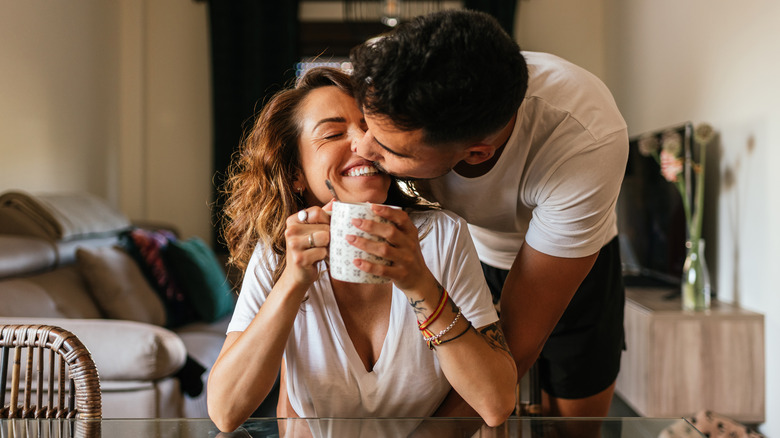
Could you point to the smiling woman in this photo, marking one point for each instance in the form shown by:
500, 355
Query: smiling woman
330, 123
343, 347
260, 191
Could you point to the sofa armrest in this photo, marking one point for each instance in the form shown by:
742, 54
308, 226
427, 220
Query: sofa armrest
122, 350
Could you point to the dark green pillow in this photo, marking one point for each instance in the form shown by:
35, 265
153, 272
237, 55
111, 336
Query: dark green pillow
201, 276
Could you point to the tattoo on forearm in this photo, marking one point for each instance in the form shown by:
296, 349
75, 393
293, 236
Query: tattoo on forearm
495, 337
453, 307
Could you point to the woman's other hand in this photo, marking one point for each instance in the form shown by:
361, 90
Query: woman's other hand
307, 237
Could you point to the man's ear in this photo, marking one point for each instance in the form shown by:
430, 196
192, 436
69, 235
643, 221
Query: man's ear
478, 153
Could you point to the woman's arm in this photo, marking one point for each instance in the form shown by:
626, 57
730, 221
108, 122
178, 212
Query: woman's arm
248, 364
477, 364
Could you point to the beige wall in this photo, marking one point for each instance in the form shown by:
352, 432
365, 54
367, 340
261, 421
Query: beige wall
58, 115
175, 119
573, 30
110, 98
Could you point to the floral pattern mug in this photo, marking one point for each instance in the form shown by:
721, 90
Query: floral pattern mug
342, 253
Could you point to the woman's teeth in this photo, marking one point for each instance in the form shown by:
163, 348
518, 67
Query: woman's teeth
362, 171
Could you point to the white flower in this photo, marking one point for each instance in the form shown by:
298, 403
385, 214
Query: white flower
703, 133
648, 145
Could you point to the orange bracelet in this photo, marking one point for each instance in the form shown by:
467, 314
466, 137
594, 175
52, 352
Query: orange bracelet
436, 312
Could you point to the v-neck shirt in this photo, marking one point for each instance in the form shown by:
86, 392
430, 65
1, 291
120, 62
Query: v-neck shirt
325, 375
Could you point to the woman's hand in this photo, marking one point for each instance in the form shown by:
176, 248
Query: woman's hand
307, 237
401, 246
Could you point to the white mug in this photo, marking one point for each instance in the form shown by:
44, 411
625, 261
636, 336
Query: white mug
342, 253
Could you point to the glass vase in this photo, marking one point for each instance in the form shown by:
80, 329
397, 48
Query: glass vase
696, 288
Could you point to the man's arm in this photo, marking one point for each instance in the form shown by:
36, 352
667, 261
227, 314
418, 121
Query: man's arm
535, 295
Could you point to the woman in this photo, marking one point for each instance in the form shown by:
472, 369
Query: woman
347, 349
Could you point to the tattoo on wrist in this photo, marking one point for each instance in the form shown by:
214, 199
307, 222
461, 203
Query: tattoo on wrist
418, 307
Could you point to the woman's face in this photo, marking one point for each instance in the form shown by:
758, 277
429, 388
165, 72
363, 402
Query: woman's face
330, 122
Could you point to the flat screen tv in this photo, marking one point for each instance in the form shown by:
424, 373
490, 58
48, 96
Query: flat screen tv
651, 219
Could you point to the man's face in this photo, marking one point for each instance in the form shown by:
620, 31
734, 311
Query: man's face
403, 153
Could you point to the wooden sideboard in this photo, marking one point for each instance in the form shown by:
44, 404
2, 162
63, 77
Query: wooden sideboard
678, 363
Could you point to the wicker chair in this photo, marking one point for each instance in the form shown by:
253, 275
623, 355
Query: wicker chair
74, 365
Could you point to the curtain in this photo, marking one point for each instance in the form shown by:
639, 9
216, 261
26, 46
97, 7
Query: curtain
503, 10
254, 48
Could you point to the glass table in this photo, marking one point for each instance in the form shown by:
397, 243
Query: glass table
344, 427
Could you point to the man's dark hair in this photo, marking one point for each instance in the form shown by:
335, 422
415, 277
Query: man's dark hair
456, 74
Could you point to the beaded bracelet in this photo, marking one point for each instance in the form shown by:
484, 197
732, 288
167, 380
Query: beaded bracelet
468, 327
436, 339
436, 312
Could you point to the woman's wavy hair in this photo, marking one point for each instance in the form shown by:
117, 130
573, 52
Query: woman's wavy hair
259, 188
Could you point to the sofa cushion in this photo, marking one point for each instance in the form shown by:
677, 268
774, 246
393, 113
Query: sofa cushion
66, 250
123, 350
23, 255
118, 285
65, 287
200, 274
59, 216
21, 296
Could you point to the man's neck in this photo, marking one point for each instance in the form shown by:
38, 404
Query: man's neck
498, 140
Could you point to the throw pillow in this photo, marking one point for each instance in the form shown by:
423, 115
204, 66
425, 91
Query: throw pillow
200, 274
146, 247
118, 286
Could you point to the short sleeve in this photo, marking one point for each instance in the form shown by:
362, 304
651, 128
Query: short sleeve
255, 287
450, 255
575, 207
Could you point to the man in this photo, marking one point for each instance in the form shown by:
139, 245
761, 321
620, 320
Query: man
531, 151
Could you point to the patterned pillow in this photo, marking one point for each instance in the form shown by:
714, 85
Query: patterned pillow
146, 247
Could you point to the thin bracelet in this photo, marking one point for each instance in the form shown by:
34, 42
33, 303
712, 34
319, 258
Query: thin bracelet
436, 339
468, 327
447, 329
436, 312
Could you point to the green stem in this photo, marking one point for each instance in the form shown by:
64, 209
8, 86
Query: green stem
680, 184
699, 196
686, 203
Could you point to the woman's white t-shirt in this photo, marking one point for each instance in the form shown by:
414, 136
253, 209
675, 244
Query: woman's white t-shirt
325, 376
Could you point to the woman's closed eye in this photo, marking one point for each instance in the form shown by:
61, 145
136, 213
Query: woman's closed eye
333, 136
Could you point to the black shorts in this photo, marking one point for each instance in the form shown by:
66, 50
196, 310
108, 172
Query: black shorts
582, 355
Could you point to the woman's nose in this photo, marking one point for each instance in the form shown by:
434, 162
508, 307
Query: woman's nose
360, 144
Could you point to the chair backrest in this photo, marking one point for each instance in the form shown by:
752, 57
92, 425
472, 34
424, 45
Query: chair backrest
61, 366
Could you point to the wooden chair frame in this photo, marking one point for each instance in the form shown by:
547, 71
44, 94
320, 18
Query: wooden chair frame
74, 367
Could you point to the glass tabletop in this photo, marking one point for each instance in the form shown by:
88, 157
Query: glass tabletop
345, 427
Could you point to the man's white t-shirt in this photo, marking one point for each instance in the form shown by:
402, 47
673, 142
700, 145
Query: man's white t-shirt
556, 182
325, 376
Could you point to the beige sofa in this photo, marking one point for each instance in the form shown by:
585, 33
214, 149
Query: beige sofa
84, 283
